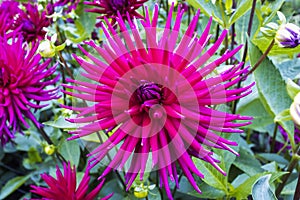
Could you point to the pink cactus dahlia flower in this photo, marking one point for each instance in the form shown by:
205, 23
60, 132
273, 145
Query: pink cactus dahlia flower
31, 23
64, 186
111, 8
158, 94
22, 86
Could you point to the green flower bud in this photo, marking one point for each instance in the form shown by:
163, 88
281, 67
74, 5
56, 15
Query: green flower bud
46, 49
49, 149
295, 110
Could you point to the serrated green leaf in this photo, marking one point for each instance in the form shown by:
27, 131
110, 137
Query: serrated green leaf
70, 151
271, 89
12, 185
261, 189
241, 9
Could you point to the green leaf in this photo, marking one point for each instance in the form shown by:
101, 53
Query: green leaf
292, 88
61, 123
271, 89
283, 116
241, 9
70, 151
209, 9
252, 106
261, 189
273, 157
274, 6
87, 19
243, 23
12, 185
289, 69
248, 163
244, 189
207, 192
212, 176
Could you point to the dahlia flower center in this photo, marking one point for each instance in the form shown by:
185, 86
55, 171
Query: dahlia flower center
149, 92
119, 4
28, 26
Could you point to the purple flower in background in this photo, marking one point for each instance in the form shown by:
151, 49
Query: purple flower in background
111, 8
155, 91
31, 23
288, 35
279, 145
71, 4
64, 186
22, 85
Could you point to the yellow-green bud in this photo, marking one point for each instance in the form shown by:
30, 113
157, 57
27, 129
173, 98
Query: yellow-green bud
46, 49
49, 149
140, 192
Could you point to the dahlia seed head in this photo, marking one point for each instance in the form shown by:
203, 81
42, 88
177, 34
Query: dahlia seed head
156, 91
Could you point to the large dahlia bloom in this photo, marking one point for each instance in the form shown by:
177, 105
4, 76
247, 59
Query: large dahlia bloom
64, 186
22, 85
157, 95
111, 8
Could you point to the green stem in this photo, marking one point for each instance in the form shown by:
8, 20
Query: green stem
274, 137
290, 169
246, 48
297, 192
110, 159
261, 59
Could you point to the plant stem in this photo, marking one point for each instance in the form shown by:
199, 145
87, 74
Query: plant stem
274, 137
245, 49
110, 159
61, 58
261, 59
297, 192
49, 141
291, 166
175, 188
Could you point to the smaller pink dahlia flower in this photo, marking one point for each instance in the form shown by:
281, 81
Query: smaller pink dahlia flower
22, 85
64, 186
111, 8
31, 23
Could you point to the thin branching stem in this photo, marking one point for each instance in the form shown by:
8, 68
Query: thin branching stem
290, 169
246, 48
